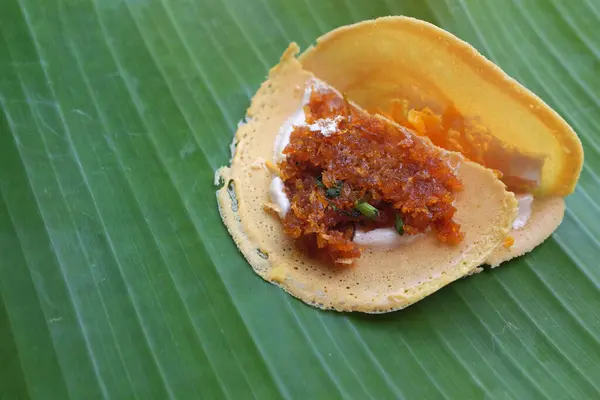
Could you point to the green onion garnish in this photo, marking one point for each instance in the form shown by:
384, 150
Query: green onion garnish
399, 224
334, 191
331, 192
367, 210
320, 183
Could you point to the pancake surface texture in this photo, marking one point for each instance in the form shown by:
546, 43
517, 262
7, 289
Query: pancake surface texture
546, 215
381, 280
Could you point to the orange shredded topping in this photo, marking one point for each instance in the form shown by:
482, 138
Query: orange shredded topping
451, 131
366, 160
273, 168
509, 241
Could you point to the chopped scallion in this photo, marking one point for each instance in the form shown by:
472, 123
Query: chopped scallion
334, 191
320, 183
399, 225
367, 210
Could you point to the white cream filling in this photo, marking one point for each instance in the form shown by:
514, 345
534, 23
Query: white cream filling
283, 137
278, 196
530, 173
327, 126
525, 201
528, 168
383, 238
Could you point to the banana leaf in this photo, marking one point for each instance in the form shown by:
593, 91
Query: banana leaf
119, 281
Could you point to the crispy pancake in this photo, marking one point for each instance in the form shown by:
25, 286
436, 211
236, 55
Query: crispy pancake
381, 280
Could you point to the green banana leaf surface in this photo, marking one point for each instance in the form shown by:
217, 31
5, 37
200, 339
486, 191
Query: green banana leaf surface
118, 279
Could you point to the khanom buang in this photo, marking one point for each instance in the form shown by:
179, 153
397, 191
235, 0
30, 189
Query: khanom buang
363, 181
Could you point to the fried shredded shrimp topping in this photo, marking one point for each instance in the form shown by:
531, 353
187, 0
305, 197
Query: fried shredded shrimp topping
451, 131
364, 173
